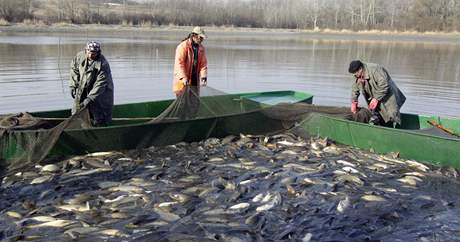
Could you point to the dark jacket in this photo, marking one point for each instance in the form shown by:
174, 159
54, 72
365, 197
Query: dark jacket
380, 86
93, 83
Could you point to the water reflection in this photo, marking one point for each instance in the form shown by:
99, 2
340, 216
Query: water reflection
34, 68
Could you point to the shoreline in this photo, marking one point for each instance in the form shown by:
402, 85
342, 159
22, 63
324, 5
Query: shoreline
365, 34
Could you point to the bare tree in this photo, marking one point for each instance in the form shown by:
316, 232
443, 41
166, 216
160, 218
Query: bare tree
422, 15
15, 10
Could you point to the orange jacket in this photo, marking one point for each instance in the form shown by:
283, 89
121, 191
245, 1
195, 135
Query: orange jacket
183, 64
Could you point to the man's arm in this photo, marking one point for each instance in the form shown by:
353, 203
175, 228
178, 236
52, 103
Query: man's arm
381, 79
204, 67
355, 91
180, 62
103, 79
74, 74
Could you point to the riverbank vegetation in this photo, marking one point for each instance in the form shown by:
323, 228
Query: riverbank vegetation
356, 15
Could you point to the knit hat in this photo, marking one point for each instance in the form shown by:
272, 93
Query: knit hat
93, 46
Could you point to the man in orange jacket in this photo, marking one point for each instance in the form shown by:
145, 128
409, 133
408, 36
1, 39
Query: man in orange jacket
191, 64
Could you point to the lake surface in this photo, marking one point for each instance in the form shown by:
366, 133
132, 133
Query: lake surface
34, 67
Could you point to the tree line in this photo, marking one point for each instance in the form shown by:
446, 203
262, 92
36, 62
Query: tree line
394, 15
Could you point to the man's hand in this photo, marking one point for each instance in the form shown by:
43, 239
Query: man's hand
204, 81
373, 104
354, 106
85, 103
184, 81
73, 92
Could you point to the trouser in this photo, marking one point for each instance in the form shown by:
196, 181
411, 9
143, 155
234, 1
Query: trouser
99, 123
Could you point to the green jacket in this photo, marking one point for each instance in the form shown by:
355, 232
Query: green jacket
380, 86
93, 83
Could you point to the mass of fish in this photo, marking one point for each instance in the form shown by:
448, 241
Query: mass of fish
239, 188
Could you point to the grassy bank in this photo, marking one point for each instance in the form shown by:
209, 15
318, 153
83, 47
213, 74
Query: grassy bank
216, 31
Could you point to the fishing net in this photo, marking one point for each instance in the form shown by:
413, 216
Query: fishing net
195, 114
26, 140
206, 102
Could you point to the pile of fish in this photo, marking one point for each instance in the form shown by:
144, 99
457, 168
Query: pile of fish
246, 188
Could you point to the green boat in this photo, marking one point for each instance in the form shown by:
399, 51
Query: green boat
428, 139
130, 128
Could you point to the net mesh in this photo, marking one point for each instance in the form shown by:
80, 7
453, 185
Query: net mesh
194, 115
194, 103
27, 140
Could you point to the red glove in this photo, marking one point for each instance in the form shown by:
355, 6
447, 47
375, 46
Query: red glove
354, 106
373, 104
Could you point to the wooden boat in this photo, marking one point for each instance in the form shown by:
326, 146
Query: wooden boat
429, 139
242, 113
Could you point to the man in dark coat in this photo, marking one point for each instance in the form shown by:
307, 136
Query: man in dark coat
382, 95
91, 84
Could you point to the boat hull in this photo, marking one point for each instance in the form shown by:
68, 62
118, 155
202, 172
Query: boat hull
129, 131
407, 141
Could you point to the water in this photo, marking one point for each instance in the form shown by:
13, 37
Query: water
34, 67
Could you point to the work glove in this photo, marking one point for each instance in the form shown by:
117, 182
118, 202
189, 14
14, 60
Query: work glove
85, 103
354, 106
73, 92
204, 81
373, 104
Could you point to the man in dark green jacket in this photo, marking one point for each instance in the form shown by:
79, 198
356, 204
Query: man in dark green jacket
91, 84
382, 95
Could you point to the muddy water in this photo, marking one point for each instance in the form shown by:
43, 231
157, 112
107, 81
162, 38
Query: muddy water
34, 67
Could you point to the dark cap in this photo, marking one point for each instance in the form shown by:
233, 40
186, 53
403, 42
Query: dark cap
354, 66
93, 46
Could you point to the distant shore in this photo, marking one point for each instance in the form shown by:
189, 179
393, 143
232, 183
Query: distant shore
373, 35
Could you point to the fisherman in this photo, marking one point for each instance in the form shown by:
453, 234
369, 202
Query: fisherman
91, 84
383, 97
190, 72
190, 64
